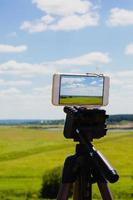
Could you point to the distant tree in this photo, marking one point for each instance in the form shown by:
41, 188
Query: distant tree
119, 118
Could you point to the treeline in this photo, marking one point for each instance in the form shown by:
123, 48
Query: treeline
55, 122
31, 122
119, 118
111, 120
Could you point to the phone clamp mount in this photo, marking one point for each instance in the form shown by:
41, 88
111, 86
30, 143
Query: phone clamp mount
88, 165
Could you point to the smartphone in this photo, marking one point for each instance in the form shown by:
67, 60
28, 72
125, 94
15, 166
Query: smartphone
91, 90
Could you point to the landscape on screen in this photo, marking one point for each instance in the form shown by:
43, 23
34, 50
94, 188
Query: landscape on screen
81, 90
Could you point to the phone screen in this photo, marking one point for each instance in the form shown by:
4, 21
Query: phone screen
78, 89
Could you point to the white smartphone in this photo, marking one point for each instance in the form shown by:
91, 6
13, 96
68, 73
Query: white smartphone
90, 90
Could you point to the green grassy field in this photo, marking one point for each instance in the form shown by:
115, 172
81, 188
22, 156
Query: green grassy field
81, 100
26, 154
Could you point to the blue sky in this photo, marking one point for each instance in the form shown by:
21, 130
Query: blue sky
42, 37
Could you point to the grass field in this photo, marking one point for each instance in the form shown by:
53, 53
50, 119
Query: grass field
81, 100
26, 154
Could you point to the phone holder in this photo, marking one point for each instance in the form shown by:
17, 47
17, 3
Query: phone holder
90, 122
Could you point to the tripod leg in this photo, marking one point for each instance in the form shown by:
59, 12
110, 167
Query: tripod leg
76, 190
104, 190
82, 189
63, 191
69, 175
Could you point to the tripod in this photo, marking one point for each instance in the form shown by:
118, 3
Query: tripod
87, 166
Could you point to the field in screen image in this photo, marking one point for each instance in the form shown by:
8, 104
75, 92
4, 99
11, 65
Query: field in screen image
81, 100
27, 153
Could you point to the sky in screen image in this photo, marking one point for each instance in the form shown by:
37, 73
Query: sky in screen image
41, 37
81, 86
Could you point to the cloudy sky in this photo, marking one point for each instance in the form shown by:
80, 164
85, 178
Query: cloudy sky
81, 86
41, 37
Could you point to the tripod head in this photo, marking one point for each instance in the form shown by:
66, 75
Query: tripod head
90, 122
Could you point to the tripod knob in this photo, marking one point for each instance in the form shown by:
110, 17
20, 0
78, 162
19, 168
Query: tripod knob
70, 110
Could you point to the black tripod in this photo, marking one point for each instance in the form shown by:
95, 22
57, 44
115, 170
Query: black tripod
87, 166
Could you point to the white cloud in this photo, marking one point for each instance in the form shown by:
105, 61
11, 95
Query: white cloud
15, 83
14, 67
87, 59
35, 104
74, 22
28, 107
129, 49
63, 7
63, 15
121, 83
12, 49
43, 91
10, 92
120, 104
71, 80
121, 89
37, 92
125, 74
32, 27
38, 25
120, 17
